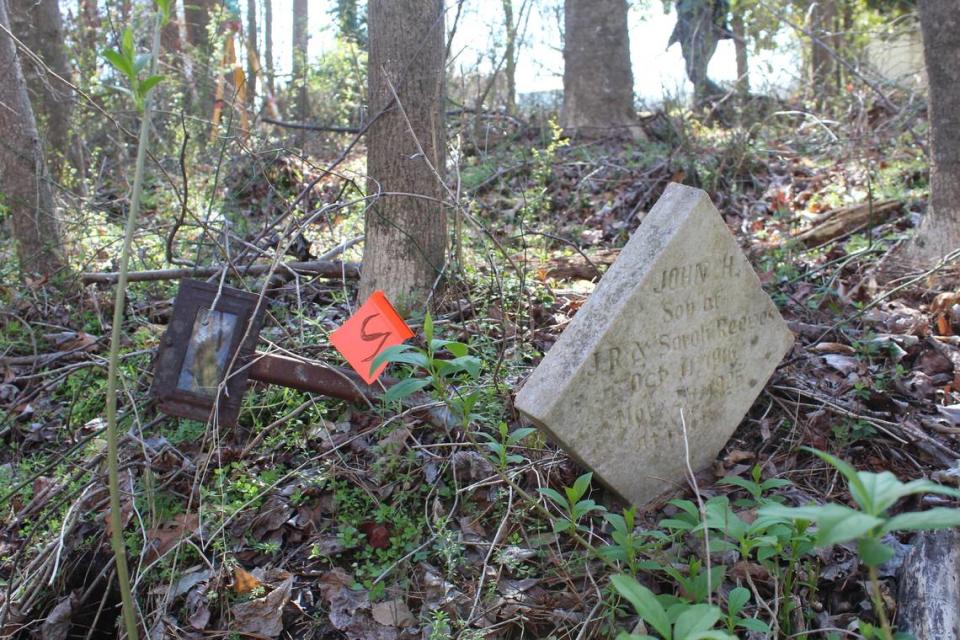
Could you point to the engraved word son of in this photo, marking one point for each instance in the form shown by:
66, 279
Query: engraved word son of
678, 322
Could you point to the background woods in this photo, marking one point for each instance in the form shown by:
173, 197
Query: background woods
658, 299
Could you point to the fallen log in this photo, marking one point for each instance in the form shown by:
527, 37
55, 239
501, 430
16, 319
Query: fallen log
837, 222
322, 268
929, 594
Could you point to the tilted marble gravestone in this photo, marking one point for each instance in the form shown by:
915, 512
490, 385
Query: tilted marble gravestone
679, 321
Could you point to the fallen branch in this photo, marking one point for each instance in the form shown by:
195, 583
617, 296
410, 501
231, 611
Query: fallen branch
323, 268
838, 222
311, 127
929, 590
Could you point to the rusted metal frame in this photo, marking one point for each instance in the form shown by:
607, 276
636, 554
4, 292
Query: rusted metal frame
192, 298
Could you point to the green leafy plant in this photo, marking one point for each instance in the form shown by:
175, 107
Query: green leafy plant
627, 544
441, 373
572, 504
131, 64
755, 486
500, 447
779, 545
736, 601
874, 494
677, 621
116, 526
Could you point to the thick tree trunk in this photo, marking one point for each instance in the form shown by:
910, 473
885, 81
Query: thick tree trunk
38, 24
510, 55
597, 77
406, 236
939, 232
251, 53
23, 181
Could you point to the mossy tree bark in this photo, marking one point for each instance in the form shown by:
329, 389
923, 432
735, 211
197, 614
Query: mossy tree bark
406, 235
24, 184
597, 77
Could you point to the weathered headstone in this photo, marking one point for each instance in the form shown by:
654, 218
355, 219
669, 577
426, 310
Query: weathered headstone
678, 322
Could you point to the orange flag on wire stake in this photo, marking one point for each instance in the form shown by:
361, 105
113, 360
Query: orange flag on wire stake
374, 327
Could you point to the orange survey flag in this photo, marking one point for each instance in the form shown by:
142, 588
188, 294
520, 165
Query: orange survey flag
374, 327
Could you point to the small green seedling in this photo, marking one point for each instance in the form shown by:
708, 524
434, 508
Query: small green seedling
131, 65
501, 446
573, 507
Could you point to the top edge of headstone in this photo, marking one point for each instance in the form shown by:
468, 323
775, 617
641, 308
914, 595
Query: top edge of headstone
542, 388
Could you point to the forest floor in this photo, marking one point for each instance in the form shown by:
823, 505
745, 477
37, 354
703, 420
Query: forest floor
315, 518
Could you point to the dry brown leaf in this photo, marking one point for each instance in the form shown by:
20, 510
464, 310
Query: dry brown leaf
944, 301
165, 537
832, 347
393, 613
943, 325
244, 581
58, 621
263, 616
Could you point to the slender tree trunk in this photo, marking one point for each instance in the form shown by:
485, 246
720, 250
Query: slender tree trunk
170, 35
822, 24
23, 181
406, 236
740, 47
197, 15
939, 232
268, 43
38, 24
597, 77
89, 22
511, 56
301, 42
252, 53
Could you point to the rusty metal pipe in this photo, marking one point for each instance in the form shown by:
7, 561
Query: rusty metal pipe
309, 376
335, 382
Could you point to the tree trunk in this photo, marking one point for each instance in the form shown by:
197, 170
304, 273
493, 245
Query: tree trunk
406, 236
170, 37
197, 15
301, 40
251, 54
740, 47
698, 32
38, 24
89, 23
939, 232
510, 56
597, 77
823, 16
268, 43
23, 180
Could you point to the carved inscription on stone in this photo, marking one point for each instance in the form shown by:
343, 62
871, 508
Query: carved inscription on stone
679, 322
